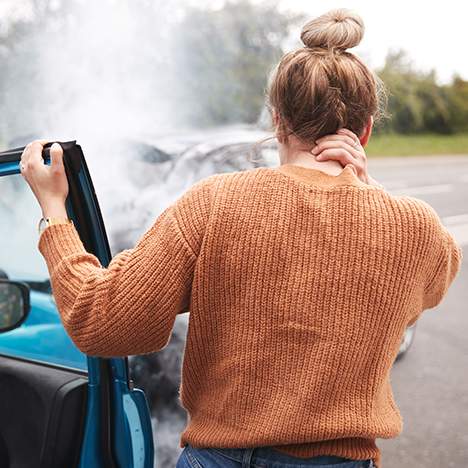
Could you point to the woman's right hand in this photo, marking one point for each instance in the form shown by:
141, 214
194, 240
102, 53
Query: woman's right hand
344, 146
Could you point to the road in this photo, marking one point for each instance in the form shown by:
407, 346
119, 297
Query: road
430, 383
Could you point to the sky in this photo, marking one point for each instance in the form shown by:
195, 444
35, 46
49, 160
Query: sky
434, 33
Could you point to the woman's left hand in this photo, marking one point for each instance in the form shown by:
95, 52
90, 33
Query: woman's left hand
48, 183
343, 146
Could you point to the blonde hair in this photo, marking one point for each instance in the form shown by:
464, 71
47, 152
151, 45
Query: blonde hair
321, 87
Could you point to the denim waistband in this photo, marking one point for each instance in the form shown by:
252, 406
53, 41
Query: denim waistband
267, 454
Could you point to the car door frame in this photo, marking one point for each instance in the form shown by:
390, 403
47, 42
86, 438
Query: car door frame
118, 430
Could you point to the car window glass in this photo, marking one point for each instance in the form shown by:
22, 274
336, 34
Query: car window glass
42, 336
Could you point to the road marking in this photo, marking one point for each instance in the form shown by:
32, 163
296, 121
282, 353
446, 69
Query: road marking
460, 233
458, 227
424, 189
457, 219
393, 184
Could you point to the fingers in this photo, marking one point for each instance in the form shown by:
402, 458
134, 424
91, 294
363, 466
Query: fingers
25, 158
338, 137
335, 144
345, 147
32, 156
35, 153
345, 131
56, 157
343, 156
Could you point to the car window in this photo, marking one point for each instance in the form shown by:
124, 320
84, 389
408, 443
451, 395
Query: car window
42, 336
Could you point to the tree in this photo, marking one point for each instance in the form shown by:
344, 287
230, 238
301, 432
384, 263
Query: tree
416, 102
223, 58
458, 97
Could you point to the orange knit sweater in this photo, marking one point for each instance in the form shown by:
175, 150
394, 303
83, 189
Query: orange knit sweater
299, 284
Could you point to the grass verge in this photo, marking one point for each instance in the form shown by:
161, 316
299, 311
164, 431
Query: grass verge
416, 145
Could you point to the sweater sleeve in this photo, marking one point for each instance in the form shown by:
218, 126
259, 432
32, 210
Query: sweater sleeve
448, 262
130, 306
443, 258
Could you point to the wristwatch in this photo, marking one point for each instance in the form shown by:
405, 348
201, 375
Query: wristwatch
46, 222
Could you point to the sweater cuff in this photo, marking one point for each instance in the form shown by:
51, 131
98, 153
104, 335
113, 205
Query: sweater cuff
59, 241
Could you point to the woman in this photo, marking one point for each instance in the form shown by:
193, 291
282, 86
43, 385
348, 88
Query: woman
300, 279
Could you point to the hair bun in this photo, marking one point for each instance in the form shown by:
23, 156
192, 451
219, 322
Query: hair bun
338, 29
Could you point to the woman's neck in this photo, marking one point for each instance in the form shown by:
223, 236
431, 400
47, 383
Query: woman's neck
305, 158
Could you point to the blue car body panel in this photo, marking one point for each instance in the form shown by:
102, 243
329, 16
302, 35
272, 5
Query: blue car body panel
131, 410
42, 338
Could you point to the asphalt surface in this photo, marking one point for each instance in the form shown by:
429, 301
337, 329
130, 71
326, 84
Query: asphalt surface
430, 382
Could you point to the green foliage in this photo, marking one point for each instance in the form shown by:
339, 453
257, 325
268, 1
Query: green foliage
223, 58
458, 98
209, 64
417, 103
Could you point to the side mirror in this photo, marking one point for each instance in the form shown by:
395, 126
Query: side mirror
14, 304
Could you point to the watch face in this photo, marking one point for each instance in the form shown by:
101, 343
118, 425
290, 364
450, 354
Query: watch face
42, 224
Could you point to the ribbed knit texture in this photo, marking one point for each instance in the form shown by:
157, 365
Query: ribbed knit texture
299, 284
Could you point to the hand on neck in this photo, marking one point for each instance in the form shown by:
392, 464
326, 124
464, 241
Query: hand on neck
295, 152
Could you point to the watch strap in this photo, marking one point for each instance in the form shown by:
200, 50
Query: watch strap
46, 222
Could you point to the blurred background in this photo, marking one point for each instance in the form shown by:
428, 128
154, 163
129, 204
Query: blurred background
163, 93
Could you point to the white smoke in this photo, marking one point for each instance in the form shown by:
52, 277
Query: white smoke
98, 72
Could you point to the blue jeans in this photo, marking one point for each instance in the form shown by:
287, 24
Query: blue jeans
259, 457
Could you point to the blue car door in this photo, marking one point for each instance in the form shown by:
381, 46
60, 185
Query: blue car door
58, 407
